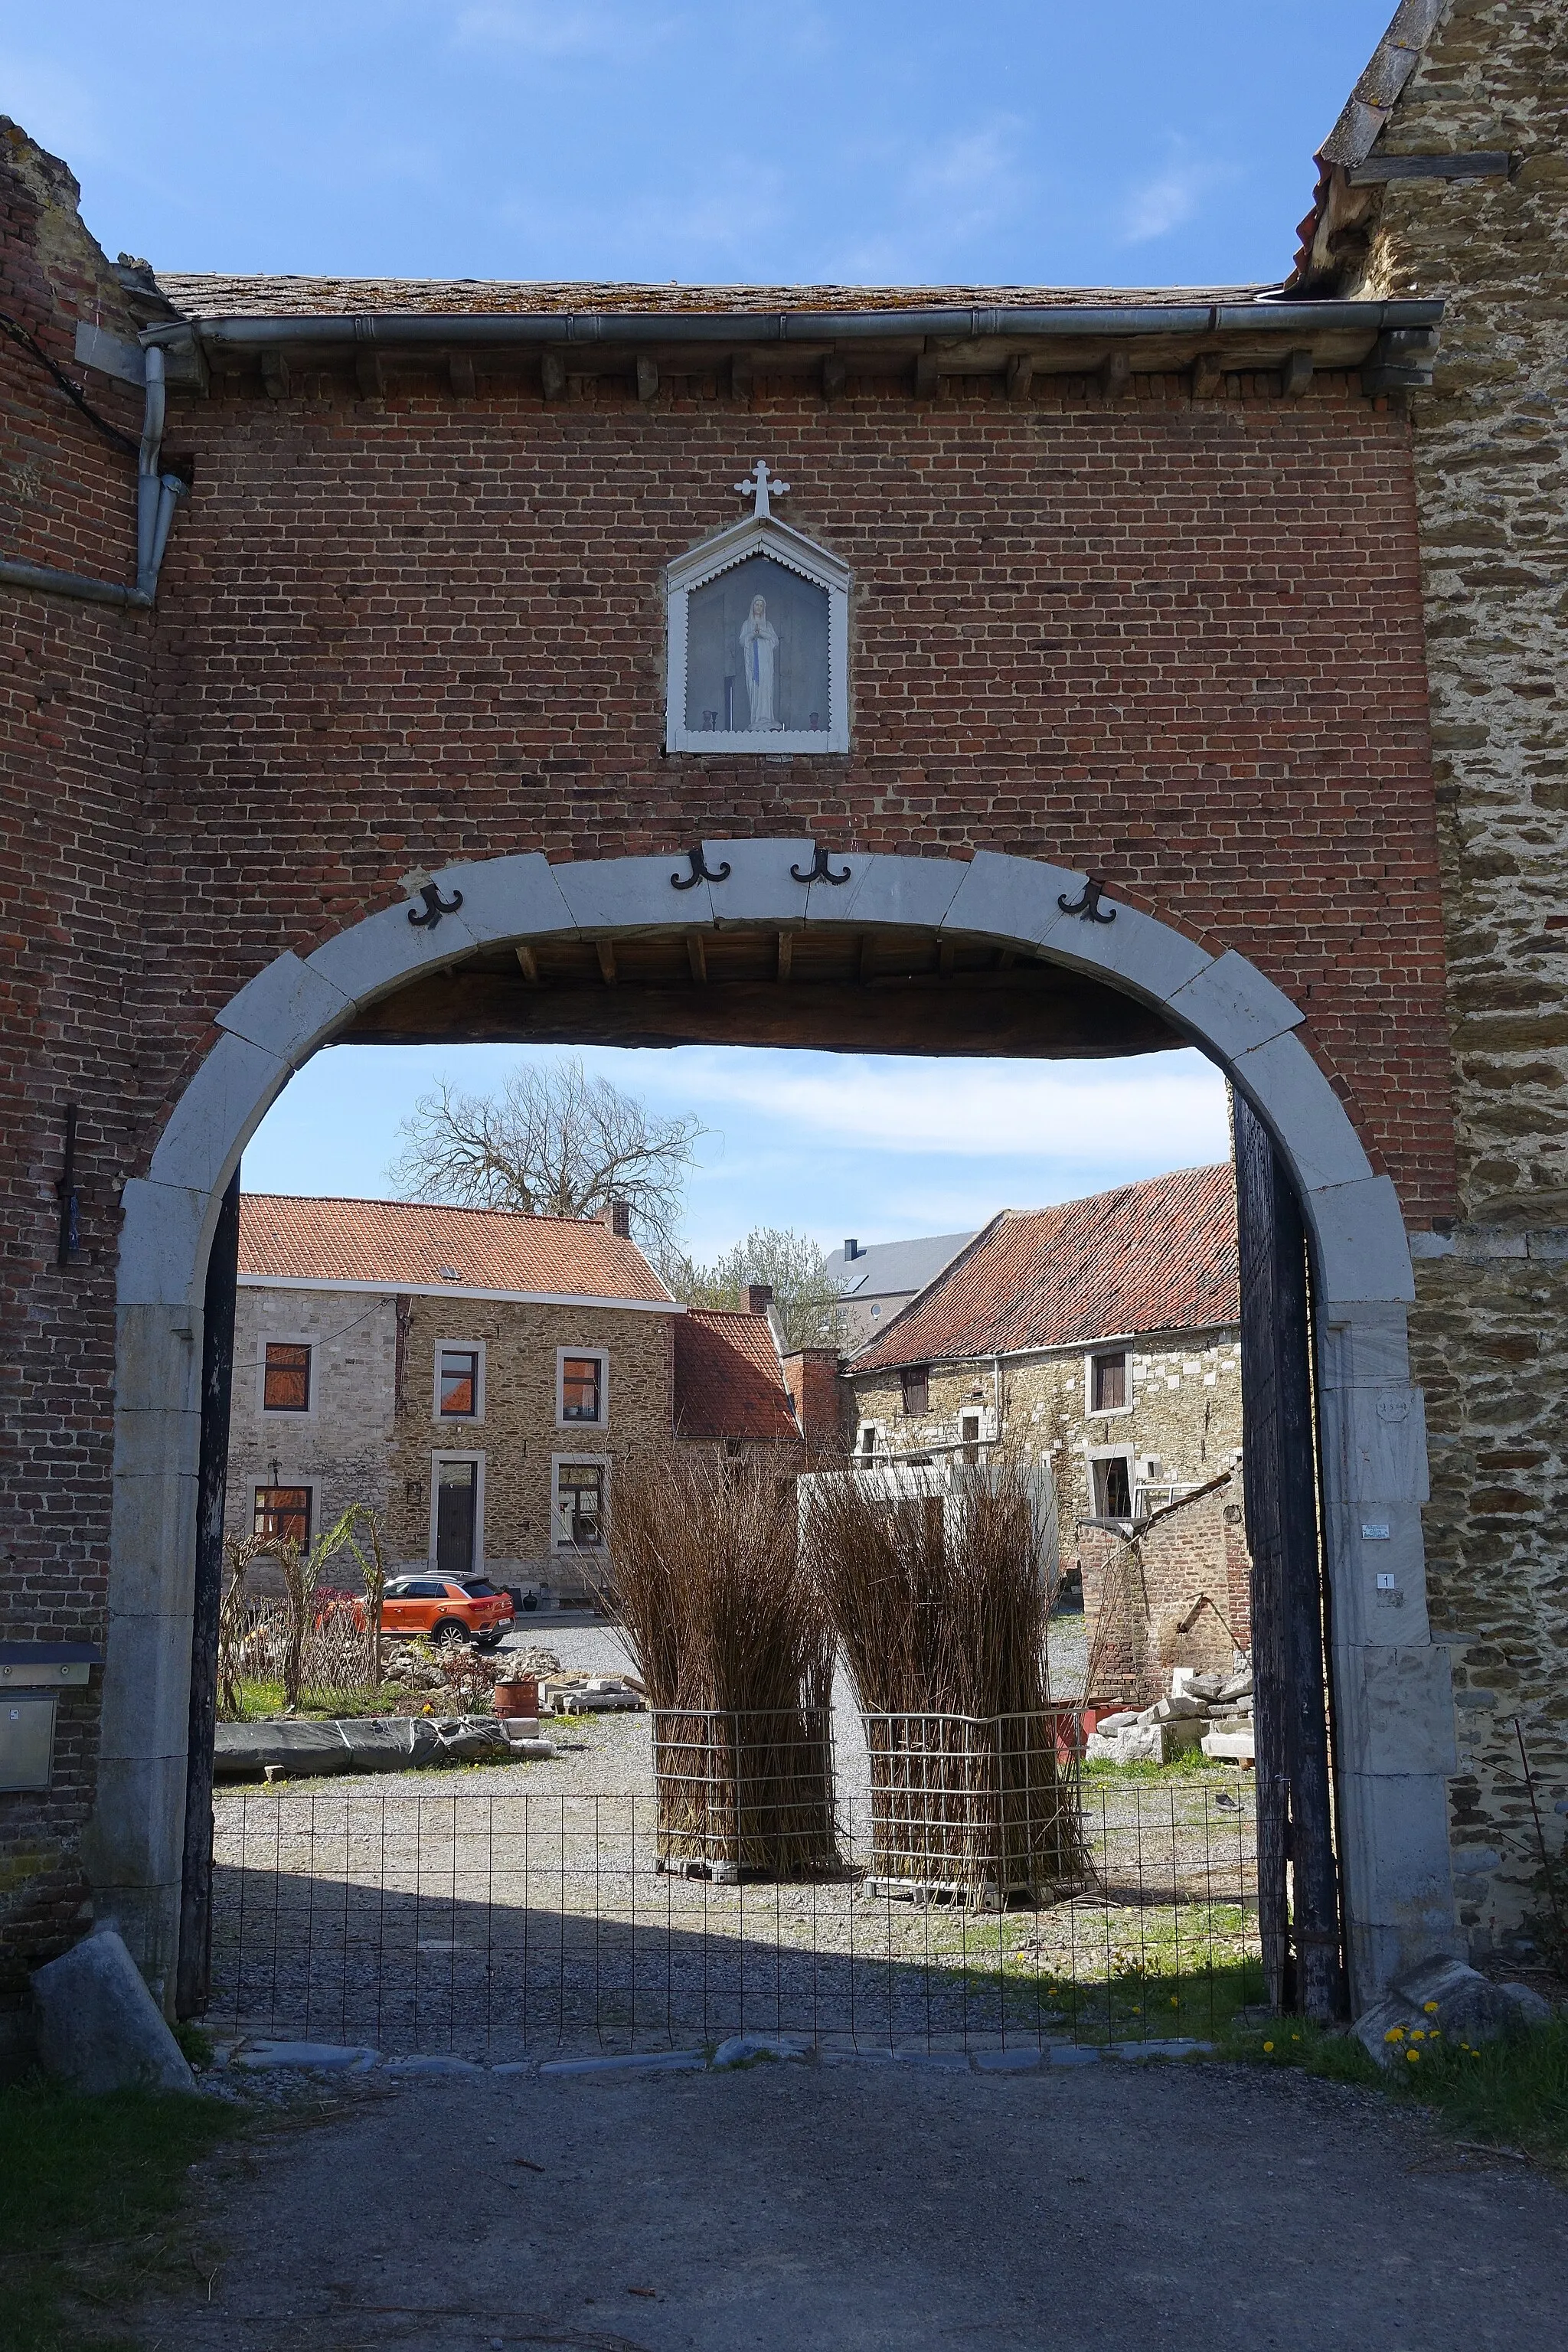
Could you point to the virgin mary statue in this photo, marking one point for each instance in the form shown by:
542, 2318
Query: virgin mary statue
759, 651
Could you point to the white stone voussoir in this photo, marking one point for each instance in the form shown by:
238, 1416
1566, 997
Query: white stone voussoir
287, 1008
1232, 1007
217, 1114
633, 894
372, 958
1302, 1112
1004, 897
506, 897
760, 887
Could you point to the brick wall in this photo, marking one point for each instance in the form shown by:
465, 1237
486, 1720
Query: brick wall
1174, 1595
811, 1376
1489, 1334
74, 708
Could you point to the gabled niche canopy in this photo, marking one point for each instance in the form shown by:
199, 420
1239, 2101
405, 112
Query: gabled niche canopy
759, 643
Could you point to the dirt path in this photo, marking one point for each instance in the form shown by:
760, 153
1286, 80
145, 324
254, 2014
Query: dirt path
885, 2209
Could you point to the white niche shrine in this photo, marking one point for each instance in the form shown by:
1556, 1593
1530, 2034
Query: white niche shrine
757, 626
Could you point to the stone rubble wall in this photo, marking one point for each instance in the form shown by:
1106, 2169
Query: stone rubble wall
1490, 1331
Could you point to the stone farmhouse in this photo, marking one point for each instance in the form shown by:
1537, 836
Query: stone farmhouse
1166, 667
476, 1378
1103, 1336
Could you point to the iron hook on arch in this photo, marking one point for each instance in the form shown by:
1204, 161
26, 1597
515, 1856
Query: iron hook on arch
821, 871
1087, 907
435, 906
700, 871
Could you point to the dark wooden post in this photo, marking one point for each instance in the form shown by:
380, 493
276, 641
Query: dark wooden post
1298, 1902
194, 1981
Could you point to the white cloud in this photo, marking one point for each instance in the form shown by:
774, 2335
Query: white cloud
953, 191
1169, 200
1163, 1111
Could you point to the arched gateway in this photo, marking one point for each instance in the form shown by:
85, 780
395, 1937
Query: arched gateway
1393, 1712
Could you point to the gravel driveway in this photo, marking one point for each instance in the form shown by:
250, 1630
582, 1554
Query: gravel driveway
816, 2209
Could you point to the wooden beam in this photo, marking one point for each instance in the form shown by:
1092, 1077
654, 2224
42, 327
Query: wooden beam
553, 376
1020, 376
865, 957
787, 953
1296, 376
461, 375
945, 956
1486, 164
275, 375
1115, 375
928, 382
696, 957
834, 376
1208, 373
741, 378
368, 372
528, 965
646, 378
1037, 1012
605, 951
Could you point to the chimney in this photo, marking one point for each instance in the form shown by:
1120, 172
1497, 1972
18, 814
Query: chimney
618, 1216
851, 1251
759, 1297
819, 1398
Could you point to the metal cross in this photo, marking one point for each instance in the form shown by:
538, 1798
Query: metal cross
760, 485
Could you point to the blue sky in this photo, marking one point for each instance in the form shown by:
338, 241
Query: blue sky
1020, 141
1028, 141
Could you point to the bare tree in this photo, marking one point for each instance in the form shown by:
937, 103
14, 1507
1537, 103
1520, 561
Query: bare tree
553, 1143
796, 1268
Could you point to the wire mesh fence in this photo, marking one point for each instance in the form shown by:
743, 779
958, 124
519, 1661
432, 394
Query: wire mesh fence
338, 1658
501, 1926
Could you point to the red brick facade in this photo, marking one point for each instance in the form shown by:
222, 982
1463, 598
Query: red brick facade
1177, 643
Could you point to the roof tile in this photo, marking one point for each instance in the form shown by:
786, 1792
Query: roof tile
1160, 1256
727, 1379
299, 1238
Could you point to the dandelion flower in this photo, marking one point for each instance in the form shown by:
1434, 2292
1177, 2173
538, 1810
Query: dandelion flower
1430, 2008
1394, 2034
1268, 2045
1413, 2057
1175, 2001
1418, 2034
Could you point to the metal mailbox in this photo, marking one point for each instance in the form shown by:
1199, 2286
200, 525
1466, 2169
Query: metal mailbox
26, 1738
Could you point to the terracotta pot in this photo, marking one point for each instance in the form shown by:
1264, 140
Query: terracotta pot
518, 1697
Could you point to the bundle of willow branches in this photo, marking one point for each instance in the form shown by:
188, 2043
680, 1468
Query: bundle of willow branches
706, 1584
935, 1585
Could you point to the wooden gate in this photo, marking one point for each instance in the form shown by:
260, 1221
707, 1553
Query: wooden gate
1298, 1875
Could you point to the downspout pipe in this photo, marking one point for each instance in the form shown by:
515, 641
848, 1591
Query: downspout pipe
157, 495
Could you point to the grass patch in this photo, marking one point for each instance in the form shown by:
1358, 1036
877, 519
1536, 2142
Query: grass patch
263, 1702
1191, 1764
89, 2192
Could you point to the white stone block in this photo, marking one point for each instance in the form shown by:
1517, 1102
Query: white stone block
613, 894
1362, 1248
152, 1443
133, 1843
1364, 1344
912, 893
1151, 957
1302, 1109
373, 957
1232, 1746
99, 2028
506, 897
147, 1687
1003, 898
1385, 1446
1232, 1007
288, 1009
157, 1360
163, 1241
760, 887
153, 1542
1397, 1708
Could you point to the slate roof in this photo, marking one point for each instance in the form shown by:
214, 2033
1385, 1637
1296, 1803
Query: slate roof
415, 1245
728, 1381
889, 1269
209, 295
1159, 1256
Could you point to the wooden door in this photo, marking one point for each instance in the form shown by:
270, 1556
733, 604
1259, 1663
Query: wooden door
1299, 1905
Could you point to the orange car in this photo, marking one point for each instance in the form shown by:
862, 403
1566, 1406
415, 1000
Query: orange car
472, 1609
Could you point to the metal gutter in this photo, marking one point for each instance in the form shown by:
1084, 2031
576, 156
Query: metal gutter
72, 584
965, 325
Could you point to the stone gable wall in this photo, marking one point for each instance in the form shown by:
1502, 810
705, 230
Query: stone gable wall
1490, 1336
1185, 1412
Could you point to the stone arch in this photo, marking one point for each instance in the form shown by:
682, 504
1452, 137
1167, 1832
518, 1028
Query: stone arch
1392, 1708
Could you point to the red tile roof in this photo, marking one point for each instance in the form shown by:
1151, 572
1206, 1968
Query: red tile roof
413, 1244
1159, 1256
728, 1381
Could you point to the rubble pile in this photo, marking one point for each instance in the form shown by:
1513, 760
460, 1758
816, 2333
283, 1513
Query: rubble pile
1207, 1710
575, 1690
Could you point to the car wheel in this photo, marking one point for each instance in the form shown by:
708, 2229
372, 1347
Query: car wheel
450, 1630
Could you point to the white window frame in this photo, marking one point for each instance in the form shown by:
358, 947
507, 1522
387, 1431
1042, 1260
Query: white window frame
441, 1419
1112, 1454
457, 1454
602, 1462
274, 1412
262, 1484
694, 569
602, 1355
1093, 1411
878, 1436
